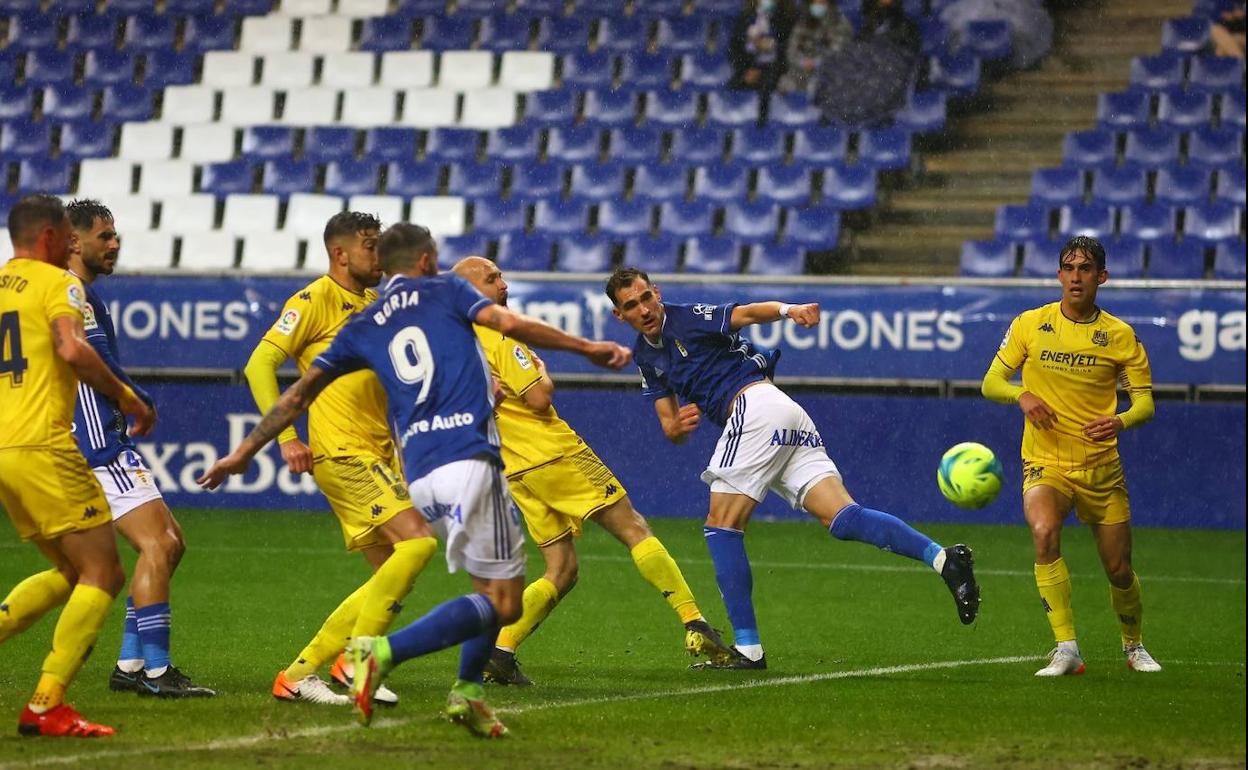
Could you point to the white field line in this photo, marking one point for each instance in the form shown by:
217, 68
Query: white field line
242, 742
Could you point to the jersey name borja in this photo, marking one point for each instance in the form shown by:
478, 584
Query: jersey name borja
700, 359
99, 425
418, 339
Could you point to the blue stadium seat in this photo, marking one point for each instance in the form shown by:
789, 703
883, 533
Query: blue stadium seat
1162, 72
517, 251
682, 34
1213, 222
88, 31
410, 178
1230, 186
22, 139
610, 109
661, 183
686, 218
451, 144
456, 247
1217, 73
191, 7
924, 112
128, 7
106, 68
1040, 257
16, 102
286, 175
49, 67
586, 70
996, 258
625, 219
386, 33
1182, 110
584, 254
413, 8
776, 259
820, 145
1119, 186
636, 145
68, 102
667, 8
786, 185
209, 33
469, 179
723, 183
563, 34
712, 255
1125, 258
1182, 185
268, 142
8, 66
550, 108
1124, 110
1059, 186
1228, 261
146, 32
793, 110
1148, 222
347, 177
386, 143
1022, 222
698, 145
513, 143
815, 227
325, 144
1091, 219
720, 8
1090, 149
87, 139
1231, 110
989, 40
849, 187
705, 71
169, 68
33, 32
50, 175
752, 222
1182, 259
641, 71
956, 74
1186, 35
653, 253
542, 7
246, 7
623, 33
560, 217
598, 181
536, 180
1210, 147
574, 144
677, 109
447, 33
495, 216
758, 144
506, 33
732, 109
1152, 147
884, 148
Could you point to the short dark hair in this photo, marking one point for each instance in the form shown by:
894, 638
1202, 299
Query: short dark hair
349, 223
84, 211
1086, 244
31, 214
401, 246
622, 277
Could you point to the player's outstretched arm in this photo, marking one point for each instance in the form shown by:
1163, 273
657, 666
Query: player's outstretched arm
71, 345
677, 421
534, 332
294, 402
261, 374
765, 312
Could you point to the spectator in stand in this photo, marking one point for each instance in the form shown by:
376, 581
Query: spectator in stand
1227, 32
760, 37
868, 79
821, 31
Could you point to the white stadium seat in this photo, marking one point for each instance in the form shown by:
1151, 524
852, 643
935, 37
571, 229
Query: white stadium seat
188, 213
267, 34
387, 208
326, 34
368, 106
247, 106
131, 213
347, 70
209, 250
307, 212
488, 108
407, 69
101, 177
163, 178
305, 7
188, 104
363, 8
270, 251
288, 69
430, 108
527, 70
461, 70
246, 214
6, 246
226, 69
145, 250
207, 143
310, 107
146, 141
443, 215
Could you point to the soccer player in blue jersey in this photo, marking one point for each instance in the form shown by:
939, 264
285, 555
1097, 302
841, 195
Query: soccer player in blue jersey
139, 511
694, 363
419, 340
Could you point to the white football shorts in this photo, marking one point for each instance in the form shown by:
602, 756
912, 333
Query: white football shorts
470, 506
769, 443
127, 483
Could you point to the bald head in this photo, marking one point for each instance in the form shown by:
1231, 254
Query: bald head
485, 276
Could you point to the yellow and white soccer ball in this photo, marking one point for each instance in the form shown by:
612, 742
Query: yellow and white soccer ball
969, 475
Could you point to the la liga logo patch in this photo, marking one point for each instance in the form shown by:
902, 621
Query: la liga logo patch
287, 323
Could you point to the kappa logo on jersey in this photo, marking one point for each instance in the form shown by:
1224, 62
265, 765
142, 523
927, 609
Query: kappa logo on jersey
305, 295
287, 323
348, 306
704, 310
1047, 327
75, 297
1101, 338
525, 362
88, 318
90, 512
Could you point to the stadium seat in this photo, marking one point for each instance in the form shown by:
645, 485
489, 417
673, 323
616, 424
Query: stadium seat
1022, 222
1090, 149
563, 35
625, 219
149, 33
1215, 148
324, 144
448, 144
161, 179
246, 7
106, 68
188, 104
1162, 72
820, 145
1184, 110
611, 109
527, 70
622, 34
443, 33
23, 139
723, 183
246, 106
345, 69
46, 67
1213, 222
188, 214
131, 213
1124, 110
560, 217
752, 222
520, 252
1040, 257
33, 31
204, 33
244, 214
732, 109
686, 218
268, 142
642, 71
636, 145
225, 69
681, 34
475, 180
221, 179
814, 227
1182, 259
266, 34
1181, 185
786, 185
537, 180
285, 176
792, 110
707, 72
145, 250
884, 148
586, 70
1148, 222
146, 141
504, 33
406, 69
62, 102
1125, 258
653, 253
988, 39
513, 143
550, 108
386, 144
1230, 185
1119, 186
758, 145
1231, 110
573, 144
1217, 74
207, 251
996, 258
924, 112
207, 143
126, 102
169, 68
956, 74
712, 255
1059, 186
673, 109
454, 248
430, 107
387, 208
464, 70
411, 178
1152, 147
584, 254
105, 176
194, 7
488, 108
1186, 35
849, 187
775, 259
656, 184
386, 33
16, 102
6, 243
1092, 219
270, 251
306, 214
598, 181
351, 177
1228, 261
495, 216
365, 107
698, 145
325, 34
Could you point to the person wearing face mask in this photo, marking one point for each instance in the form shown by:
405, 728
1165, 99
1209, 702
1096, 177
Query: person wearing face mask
757, 45
822, 31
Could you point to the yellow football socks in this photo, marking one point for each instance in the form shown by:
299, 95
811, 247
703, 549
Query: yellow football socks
331, 639
1053, 580
540, 597
30, 599
75, 634
1130, 610
391, 583
659, 569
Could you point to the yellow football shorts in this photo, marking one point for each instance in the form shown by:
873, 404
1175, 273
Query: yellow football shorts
364, 491
557, 497
49, 492
1099, 494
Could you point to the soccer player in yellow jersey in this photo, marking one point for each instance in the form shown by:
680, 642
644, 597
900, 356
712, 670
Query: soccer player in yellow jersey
46, 487
1074, 357
350, 454
558, 482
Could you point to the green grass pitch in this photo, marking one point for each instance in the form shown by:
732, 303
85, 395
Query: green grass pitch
868, 664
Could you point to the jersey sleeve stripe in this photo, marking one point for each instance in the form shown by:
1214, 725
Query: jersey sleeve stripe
478, 306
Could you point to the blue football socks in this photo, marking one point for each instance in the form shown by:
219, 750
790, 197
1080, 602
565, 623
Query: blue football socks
446, 625
131, 647
736, 582
884, 531
153, 622
475, 653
